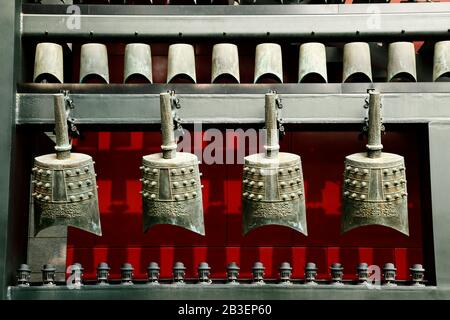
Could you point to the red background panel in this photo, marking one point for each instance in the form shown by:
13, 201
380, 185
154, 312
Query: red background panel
118, 156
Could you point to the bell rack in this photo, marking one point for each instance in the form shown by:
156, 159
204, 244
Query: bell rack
424, 103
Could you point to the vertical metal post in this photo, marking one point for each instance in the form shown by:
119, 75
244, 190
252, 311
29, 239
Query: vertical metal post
169, 146
9, 56
440, 184
374, 145
272, 145
63, 146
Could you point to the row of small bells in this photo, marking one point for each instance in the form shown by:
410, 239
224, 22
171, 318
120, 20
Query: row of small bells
357, 66
204, 270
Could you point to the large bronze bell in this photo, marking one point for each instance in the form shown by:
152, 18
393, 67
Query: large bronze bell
374, 190
171, 188
273, 182
64, 183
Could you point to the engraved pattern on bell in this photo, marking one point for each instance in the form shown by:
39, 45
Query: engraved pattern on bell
273, 192
171, 192
65, 193
376, 193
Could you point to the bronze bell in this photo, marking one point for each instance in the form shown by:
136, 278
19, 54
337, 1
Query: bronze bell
171, 188
374, 190
273, 182
64, 183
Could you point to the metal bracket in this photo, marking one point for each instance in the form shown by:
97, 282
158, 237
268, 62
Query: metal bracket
176, 105
366, 119
71, 121
280, 121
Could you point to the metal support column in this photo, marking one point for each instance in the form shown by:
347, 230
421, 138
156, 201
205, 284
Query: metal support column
9, 38
440, 184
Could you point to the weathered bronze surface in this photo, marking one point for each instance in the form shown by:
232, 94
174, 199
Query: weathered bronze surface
401, 62
64, 184
48, 63
273, 182
181, 62
441, 61
374, 189
171, 188
268, 62
357, 65
312, 66
94, 62
138, 61
225, 61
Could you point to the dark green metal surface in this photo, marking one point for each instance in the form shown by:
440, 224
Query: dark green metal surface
226, 292
8, 56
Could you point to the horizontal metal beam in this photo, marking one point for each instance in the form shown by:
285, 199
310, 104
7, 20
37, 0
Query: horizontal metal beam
224, 292
375, 21
236, 104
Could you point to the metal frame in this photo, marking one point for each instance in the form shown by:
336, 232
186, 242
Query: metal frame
313, 103
426, 103
228, 292
9, 54
406, 20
